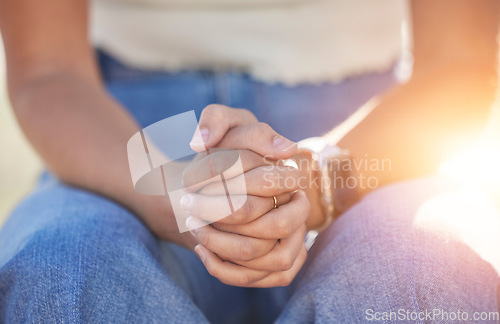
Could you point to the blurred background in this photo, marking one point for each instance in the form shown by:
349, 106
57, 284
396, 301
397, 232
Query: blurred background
19, 164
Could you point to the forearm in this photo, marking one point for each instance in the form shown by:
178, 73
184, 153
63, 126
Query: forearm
81, 134
418, 125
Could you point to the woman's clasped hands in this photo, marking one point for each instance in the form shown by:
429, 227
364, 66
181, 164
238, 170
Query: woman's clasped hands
259, 240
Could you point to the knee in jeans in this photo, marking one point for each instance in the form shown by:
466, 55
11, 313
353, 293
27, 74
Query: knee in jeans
73, 227
439, 265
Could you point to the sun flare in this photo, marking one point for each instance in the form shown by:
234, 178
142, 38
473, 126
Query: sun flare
470, 212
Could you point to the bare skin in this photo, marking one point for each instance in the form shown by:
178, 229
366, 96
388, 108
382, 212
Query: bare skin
81, 133
447, 102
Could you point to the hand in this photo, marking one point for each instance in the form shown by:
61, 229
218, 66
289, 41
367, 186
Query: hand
233, 128
257, 261
238, 129
256, 246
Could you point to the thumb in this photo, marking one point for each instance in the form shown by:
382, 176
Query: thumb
260, 138
215, 122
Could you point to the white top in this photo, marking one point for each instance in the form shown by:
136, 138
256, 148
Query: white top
287, 41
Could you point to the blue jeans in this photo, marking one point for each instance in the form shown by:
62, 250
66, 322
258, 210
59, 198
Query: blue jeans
68, 255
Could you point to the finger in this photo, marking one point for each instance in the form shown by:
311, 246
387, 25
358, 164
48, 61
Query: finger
227, 272
282, 278
260, 138
282, 256
229, 245
207, 166
268, 181
216, 208
215, 121
278, 223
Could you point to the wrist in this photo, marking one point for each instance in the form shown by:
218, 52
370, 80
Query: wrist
157, 214
330, 186
309, 182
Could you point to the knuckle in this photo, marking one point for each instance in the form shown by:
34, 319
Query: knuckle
247, 113
247, 250
281, 227
250, 134
244, 279
285, 279
263, 127
257, 132
212, 108
284, 262
213, 111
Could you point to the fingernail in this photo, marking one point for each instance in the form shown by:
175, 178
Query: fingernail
194, 223
282, 143
186, 202
201, 254
200, 138
204, 134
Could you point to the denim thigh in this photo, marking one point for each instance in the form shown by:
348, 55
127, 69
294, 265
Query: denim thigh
71, 255
392, 254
